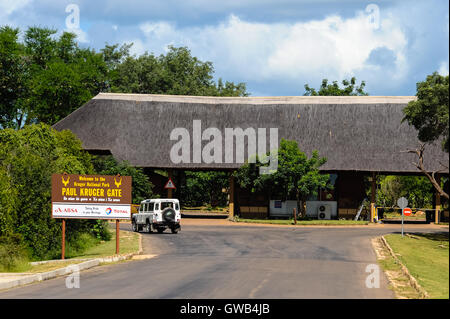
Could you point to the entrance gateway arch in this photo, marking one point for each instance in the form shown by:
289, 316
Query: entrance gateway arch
359, 135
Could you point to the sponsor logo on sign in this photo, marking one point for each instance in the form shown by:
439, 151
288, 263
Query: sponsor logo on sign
108, 211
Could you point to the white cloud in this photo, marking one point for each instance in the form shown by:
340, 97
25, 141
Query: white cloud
81, 35
332, 47
9, 6
443, 68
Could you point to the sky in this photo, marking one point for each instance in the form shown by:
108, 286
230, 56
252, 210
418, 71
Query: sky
275, 46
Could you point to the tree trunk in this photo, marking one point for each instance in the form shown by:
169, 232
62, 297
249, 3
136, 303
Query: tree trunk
431, 177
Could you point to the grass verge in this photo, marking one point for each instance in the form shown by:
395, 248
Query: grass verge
129, 243
427, 258
92, 248
302, 222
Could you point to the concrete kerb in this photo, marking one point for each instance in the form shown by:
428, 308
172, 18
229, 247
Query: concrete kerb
26, 279
405, 271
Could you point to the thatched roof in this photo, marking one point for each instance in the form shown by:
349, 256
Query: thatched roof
354, 133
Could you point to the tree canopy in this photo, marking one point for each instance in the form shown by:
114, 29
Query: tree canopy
297, 175
46, 77
350, 88
429, 112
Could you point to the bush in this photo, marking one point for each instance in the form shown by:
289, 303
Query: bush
28, 158
80, 244
13, 253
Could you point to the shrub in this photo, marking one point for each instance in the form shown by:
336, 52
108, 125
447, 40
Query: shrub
13, 253
28, 158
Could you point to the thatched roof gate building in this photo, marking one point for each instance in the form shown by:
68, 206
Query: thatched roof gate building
358, 135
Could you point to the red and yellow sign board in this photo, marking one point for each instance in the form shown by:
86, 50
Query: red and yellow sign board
91, 196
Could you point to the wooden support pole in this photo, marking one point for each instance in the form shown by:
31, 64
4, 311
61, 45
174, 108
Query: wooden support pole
438, 201
169, 175
117, 236
295, 216
63, 245
372, 198
231, 194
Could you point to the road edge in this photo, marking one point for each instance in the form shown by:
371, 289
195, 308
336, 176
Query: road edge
414, 283
89, 263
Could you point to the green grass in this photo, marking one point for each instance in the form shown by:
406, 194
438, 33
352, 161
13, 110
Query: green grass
88, 247
402, 287
129, 243
427, 258
302, 222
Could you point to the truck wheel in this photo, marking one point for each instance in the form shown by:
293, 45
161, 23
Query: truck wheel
134, 227
174, 230
160, 230
148, 227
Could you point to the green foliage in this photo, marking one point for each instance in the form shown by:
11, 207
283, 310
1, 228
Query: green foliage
12, 76
28, 158
297, 176
177, 72
416, 189
349, 88
141, 185
13, 253
203, 188
46, 77
80, 244
429, 113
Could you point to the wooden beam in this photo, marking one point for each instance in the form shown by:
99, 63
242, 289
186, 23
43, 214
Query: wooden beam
372, 197
231, 196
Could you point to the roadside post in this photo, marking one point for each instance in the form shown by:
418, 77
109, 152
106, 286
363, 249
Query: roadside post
63, 244
295, 216
91, 197
402, 202
117, 236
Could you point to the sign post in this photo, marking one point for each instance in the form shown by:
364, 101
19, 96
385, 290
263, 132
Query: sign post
63, 244
402, 202
91, 197
117, 236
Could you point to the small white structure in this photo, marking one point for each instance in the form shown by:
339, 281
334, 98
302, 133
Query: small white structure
321, 209
280, 208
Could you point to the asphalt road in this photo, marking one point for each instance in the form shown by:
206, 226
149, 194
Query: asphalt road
236, 262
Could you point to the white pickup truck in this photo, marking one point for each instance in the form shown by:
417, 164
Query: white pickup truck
157, 215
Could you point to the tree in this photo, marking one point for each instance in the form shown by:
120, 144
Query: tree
429, 112
350, 88
177, 72
430, 116
46, 77
202, 188
28, 158
12, 77
416, 189
297, 175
